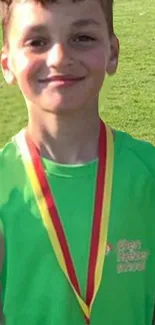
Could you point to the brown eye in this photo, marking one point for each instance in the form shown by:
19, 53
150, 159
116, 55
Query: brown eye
84, 39
37, 43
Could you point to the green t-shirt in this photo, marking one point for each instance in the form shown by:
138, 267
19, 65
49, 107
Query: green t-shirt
35, 290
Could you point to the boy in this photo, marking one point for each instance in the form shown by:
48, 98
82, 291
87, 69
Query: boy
77, 200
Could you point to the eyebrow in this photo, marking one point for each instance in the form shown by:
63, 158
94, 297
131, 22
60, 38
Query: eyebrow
85, 23
79, 23
36, 28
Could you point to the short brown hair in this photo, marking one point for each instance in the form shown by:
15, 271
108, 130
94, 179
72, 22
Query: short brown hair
6, 10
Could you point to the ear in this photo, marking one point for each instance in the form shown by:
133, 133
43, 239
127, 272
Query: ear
6, 69
114, 54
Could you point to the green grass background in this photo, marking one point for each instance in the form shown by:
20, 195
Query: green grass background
128, 99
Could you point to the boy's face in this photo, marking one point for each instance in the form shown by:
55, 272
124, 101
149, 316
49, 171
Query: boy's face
59, 55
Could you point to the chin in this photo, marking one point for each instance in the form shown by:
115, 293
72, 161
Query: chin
60, 110
60, 106
56, 109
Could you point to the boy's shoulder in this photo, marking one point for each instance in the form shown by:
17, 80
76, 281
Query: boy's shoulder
11, 171
143, 152
8, 155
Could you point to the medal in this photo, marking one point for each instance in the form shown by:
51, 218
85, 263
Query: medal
50, 218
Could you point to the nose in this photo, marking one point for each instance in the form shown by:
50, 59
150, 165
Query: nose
59, 56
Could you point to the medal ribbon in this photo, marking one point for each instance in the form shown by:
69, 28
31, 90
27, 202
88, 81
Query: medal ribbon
45, 202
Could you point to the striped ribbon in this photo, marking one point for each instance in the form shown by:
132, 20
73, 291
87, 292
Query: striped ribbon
45, 202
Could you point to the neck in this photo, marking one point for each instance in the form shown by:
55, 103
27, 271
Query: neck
66, 139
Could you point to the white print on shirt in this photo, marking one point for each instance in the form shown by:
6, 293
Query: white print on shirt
130, 256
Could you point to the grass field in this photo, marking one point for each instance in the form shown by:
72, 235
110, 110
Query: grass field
128, 101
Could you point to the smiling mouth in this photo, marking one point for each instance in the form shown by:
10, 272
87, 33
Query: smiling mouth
62, 80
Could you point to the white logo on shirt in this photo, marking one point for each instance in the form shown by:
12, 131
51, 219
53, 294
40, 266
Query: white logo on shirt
130, 256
